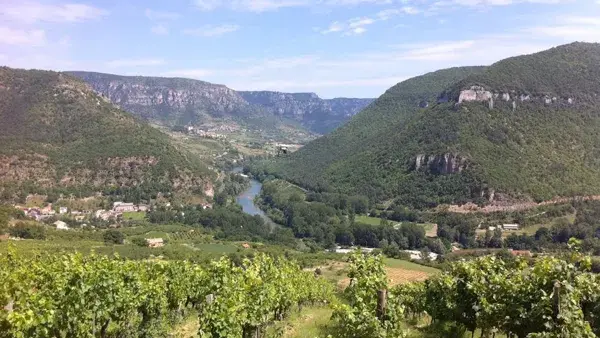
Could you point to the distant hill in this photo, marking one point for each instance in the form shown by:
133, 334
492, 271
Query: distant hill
56, 132
318, 115
524, 128
177, 101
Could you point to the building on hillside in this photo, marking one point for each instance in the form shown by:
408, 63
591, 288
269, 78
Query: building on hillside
246, 246
510, 226
123, 207
63, 210
142, 207
60, 225
155, 242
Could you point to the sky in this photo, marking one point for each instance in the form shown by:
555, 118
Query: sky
335, 48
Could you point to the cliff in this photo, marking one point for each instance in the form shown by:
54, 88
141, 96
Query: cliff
178, 101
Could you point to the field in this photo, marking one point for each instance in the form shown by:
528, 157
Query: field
134, 215
368, 220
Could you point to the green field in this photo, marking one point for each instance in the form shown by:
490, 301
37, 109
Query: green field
367, 220
217, 248
134, 215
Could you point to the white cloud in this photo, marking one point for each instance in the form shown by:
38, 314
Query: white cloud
484, 3
160, 15
212, 31
570, 28
437, 51
359, 22
271, 5
160, 29
335, 26
357, 26
207, 5
32, 12
122, 63
19, 37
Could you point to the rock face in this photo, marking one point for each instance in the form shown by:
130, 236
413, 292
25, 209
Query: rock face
447, 163
319, 115
476, 93
177, 101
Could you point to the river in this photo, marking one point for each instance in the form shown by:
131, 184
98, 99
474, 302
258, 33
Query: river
246, 198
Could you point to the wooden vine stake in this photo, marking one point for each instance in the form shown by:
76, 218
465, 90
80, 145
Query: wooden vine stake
381, 303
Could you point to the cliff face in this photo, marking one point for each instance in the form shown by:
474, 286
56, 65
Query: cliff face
319, 115
167, 100
176, 101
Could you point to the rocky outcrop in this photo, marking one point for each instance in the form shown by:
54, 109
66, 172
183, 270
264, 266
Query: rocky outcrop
475, 93
319, 115
176, 101
447, 163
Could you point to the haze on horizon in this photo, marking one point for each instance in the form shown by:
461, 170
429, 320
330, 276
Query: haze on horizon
350, 48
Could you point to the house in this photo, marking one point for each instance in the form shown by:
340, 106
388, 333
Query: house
47, 210
142, 207
60, 225
155, 242
123, 207
246, 246
79, 218
63, 210
510, 226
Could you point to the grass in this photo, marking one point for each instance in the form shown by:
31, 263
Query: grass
134, 215
368, 220
217, 248
311, 322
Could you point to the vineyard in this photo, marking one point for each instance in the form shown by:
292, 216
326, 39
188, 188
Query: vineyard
547, 297
73, 295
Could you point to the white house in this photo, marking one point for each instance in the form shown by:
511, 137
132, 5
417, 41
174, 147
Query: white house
60, 225
510, 226
123, 207
63, 210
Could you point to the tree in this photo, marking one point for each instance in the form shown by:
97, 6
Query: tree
28, 231
113, 237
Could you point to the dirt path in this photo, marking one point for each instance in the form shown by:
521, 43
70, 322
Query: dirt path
470, 207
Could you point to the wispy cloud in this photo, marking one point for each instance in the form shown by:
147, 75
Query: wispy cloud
20, 37
212, 31
32, 12
160, 29
188, 73
134, 63
483, 3
356, 26
160, 15
271, 5
570, 28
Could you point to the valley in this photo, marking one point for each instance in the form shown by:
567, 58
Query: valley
460, 202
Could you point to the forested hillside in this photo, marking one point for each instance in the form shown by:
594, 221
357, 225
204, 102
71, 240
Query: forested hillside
526, 127
57, 133
315, 166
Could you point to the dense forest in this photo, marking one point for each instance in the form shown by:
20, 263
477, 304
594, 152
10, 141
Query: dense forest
535, 137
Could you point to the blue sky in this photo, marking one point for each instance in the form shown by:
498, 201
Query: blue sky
351, 48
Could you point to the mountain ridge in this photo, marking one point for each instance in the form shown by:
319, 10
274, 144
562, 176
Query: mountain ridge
524, 128
180, 101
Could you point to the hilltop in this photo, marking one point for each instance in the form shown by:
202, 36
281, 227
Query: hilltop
57, 133
524, 128
179, 101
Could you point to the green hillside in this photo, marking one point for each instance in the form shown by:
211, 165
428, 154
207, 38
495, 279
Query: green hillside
56, 132
538, 138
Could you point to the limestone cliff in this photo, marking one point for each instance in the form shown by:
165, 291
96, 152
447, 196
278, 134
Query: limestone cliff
177, 101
